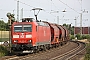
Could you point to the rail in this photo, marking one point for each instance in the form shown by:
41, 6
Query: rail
68, 55
71, 57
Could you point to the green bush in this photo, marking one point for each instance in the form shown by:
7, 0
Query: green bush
3, 51
87, 56
72, 37
87, 36
78, 36
82, 36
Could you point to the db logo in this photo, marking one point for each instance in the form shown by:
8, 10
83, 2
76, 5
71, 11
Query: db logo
22, 35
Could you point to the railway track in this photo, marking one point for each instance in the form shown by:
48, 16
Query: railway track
60, 53
70, 55
80, 51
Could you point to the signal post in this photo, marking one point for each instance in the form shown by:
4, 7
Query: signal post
11, 19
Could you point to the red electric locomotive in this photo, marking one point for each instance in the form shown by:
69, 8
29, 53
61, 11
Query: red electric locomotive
29, 35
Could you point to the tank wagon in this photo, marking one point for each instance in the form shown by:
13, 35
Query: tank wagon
32, 36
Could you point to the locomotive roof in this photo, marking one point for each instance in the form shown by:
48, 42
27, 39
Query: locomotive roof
42, 24
28, 19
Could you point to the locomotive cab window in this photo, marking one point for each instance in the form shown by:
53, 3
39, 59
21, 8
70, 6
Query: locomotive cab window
27, 28
23, 28
18, 28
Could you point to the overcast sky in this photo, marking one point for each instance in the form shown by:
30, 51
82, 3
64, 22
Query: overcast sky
72, 8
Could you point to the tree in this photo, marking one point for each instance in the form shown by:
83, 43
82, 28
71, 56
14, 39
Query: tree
3, 26
66, 25
7, 27
70, 28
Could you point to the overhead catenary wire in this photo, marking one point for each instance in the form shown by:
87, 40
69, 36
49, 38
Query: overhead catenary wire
35, 7
54, 5
68, 6
49, 13
25, 3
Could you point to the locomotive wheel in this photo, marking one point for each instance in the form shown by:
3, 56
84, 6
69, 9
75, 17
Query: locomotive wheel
61, 44
36, 50
48, 47
44, 48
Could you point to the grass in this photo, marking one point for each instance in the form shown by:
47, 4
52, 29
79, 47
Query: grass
3, 51
87, 56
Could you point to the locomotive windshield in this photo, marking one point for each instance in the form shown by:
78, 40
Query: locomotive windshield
23, 28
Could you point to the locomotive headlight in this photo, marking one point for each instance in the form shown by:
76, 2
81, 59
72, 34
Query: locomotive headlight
28, 36
15, 41
15, 36
29, 40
